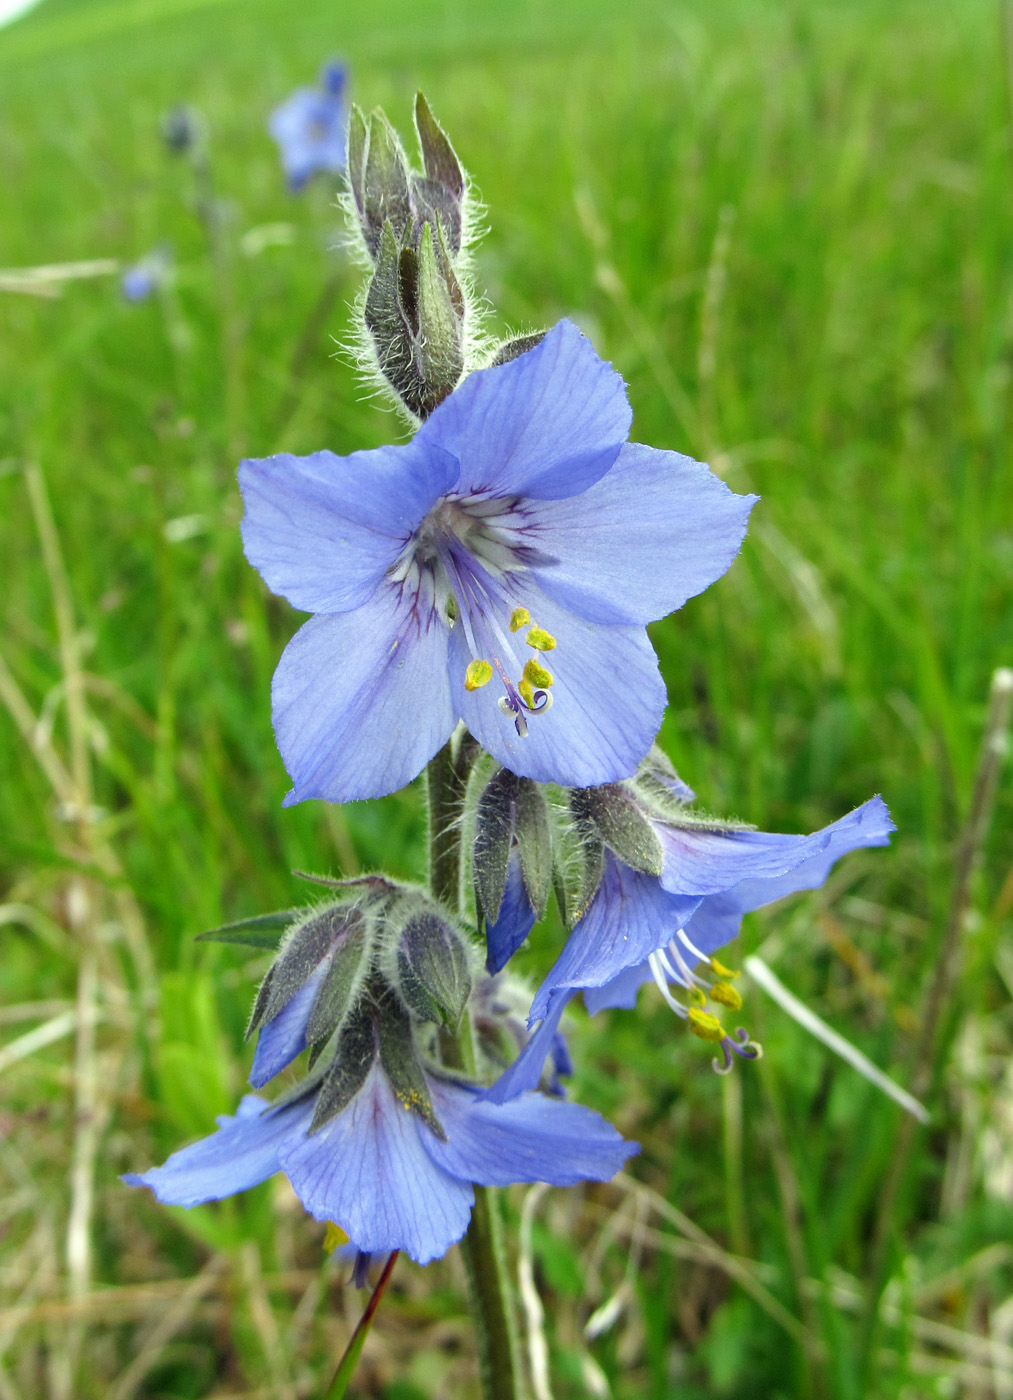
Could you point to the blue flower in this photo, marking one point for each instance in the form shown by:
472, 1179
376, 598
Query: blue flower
640, 927
309, 128
517, 530
381, 1173
143, 278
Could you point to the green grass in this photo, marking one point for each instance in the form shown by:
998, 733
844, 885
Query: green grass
789, 228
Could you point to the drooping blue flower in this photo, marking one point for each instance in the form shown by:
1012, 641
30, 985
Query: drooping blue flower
640, 928
517, 530
309, 128
384, 1176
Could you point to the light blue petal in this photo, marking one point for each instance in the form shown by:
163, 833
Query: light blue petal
515, 921
361, 700
622, 990
717, 920
368, 1171
242, 1153
548, 424
608, 700
526, 1071
530, 1138
630, 917
708, 862
702, 862
655, 530
323, 530
284, 1037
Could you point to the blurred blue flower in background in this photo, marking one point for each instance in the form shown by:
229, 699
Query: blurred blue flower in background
309, 128
143, 278
517, 522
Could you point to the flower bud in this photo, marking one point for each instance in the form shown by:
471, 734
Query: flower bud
339, 936
433, 968
512, 813
414, 323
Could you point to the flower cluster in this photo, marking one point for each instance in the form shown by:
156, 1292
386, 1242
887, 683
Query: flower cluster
483, 589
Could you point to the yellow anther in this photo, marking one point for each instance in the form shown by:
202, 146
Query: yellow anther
540, 639
721, 970
334, 1237
536, 674
520, 617
527, 693
478, 674
704, 1025
726, 995
697, 995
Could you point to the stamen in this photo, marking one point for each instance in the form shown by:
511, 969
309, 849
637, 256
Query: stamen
704, 1025
702, 957
656, 963
687, 975
720, 968
520, 617
540, 639
536, 674
726, 995
479, 673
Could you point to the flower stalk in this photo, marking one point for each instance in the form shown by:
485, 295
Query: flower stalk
484, 1254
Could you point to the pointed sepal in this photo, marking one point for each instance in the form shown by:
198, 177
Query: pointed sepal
612, 810
260, 931
533, 834
494, 829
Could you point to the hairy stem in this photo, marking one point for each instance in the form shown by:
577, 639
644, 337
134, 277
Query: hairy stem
482, 1247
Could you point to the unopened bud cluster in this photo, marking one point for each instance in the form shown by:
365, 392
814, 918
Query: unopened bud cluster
412, 225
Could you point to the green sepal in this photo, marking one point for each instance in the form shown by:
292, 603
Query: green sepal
433, 968
578, 869
494, 829
533, 833
341, 985
260, 931
385, 194
354, 1054
438, 154
384, 314
306, 946
613, 811
400, 1062
441, 352
519, 345
357, 157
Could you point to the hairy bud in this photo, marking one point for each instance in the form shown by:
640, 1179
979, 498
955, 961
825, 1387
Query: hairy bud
412, 226
433, 968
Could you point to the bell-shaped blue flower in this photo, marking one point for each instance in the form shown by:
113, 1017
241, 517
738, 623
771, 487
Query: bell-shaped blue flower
516, 532
309, 128
641, 927
381, 1173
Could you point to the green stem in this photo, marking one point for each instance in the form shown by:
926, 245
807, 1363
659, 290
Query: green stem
482, 1247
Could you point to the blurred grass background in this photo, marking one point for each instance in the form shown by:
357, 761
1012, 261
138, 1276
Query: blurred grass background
789, 226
